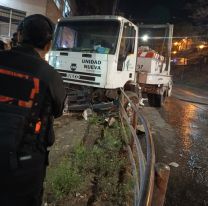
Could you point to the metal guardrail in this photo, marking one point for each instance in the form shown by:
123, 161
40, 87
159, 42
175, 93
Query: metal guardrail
143, 164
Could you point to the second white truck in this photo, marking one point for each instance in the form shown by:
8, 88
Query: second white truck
153, 66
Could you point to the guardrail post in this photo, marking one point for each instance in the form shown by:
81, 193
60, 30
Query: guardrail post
122, 100
162, 172
134, 124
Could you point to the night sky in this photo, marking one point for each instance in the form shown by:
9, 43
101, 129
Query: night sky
154, 11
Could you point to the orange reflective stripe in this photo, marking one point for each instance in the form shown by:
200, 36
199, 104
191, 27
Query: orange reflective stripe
25, 104
21, 75
36, 88
33, 93
3, 71
38, 127
15, 74
5, 99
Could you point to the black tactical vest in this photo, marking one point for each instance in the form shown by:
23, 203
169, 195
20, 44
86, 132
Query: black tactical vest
20, 101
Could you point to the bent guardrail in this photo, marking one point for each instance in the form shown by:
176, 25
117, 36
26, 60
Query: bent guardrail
145, 172
143, 158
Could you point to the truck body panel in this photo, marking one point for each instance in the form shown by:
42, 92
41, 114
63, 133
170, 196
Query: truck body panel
77, 69
154, 79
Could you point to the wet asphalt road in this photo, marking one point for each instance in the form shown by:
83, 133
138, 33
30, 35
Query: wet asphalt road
180, 132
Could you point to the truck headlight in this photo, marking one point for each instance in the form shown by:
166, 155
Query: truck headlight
57, 63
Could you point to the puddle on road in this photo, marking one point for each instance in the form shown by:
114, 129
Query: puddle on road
189, 183
190, 123
182, 118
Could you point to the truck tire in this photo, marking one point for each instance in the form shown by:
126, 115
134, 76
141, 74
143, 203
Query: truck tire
156, 100
160, 99
151, 99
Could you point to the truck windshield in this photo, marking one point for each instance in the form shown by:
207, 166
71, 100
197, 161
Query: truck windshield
96, 36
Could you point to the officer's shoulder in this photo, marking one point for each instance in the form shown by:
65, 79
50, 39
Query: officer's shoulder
49, 71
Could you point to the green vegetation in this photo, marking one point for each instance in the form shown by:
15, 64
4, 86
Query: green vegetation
99, 172
95, 120
64, 179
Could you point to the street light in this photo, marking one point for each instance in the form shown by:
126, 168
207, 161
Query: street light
201, 46
145, 38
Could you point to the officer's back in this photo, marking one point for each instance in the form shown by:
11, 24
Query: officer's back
31, 94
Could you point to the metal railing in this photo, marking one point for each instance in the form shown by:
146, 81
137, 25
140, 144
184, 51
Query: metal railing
143, 163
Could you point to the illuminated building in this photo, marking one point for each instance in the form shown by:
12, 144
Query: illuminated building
13, 11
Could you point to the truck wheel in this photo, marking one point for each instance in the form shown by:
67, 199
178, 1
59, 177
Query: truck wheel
156, 100
129, 110
160, 99
151, 99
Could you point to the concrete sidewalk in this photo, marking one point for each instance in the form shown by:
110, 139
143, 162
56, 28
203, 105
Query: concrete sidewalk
69, 132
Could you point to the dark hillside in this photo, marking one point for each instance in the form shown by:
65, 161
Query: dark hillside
191, 75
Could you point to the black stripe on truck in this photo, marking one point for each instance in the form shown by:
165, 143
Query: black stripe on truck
87, 78
81, 77
63, 74
81, 81
85, 73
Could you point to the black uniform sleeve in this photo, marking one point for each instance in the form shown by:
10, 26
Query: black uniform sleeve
58, 94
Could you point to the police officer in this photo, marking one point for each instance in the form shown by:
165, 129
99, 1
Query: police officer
14, 40
31, 95
2, 45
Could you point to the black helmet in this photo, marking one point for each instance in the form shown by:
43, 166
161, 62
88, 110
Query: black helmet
36, 30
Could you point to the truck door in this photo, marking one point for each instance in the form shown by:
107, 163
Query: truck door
126, 60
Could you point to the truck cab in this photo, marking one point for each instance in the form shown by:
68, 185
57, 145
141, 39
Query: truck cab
95, 51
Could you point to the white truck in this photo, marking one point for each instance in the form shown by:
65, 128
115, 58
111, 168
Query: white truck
97, 55
153, 67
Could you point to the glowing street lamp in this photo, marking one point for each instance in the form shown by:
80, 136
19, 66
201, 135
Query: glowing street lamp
145, 38
202, 46
174, 52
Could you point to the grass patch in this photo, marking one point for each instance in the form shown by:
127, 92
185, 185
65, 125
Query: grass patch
99, 172
95, 120
64, 179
